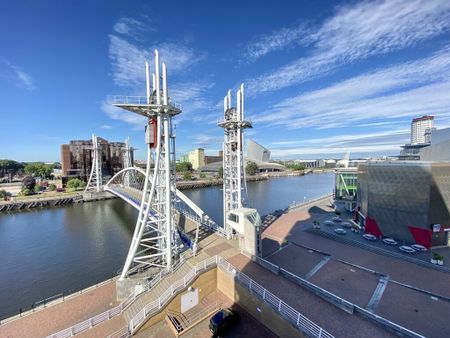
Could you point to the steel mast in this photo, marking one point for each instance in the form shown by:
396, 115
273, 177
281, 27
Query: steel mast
153, 243
234, 187
95, 181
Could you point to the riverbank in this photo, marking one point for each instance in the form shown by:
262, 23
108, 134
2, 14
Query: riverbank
183, 185
40, 201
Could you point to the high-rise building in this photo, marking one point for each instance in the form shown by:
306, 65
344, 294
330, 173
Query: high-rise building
76, 158
197, 158
420, 128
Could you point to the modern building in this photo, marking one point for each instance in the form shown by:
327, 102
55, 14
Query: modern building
261, 156
439, 148
311, 163
214, 159
197, 158
406, 200
420, 128
183, 158
345, 187
76, 158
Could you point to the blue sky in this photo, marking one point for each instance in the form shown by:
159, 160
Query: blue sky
322, 77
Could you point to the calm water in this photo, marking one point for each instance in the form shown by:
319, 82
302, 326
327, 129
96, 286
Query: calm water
48, 251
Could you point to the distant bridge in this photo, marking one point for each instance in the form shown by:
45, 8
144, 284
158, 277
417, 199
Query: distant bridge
128, 184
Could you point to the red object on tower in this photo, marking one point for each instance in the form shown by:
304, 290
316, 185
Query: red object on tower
152, 132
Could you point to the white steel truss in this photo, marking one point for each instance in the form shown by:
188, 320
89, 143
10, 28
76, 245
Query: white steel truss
154, 243
234, 186
127, 163
95, 178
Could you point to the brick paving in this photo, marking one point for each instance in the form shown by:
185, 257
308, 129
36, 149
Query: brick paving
407, 307
415, 310
350, 283
290, 227
63, 315
324, 314
296, 259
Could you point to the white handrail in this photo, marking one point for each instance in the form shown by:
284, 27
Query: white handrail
149, 309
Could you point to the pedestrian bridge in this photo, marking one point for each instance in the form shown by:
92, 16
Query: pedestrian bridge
128, 184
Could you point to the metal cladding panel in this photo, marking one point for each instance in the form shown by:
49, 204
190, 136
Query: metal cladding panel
397, 196
440, 194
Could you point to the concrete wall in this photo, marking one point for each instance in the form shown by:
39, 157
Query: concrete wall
255, 306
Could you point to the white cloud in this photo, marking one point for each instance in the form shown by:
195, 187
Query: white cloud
131, 27
275, 41
128, 60
123, 115
398, 91
20, 77
357, 32
106, 126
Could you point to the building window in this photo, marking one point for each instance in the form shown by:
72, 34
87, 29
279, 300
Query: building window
233, 218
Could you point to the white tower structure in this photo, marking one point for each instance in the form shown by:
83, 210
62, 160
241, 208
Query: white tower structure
95, 178
234, 187
127, 163
153, 243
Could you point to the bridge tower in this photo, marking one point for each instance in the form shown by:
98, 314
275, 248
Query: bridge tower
95, 181
154, 242
234, 186
126, 153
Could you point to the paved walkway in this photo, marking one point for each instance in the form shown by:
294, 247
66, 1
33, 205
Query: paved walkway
62, 315
359, 283
324, 314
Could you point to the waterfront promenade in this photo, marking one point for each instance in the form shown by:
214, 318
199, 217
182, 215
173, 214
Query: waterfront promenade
372, 280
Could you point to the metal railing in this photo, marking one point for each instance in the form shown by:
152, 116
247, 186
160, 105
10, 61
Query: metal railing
296, 204
123, 99
93, 321
285, 310
52, 300
155, 306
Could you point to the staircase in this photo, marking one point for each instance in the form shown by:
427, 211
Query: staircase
153, 294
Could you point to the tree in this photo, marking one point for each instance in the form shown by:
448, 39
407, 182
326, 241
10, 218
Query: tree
184, 166
10, 166
251, 168
187, 176
295, 166
75, 184
5, 194
28, 183
39, 169
52, 187
220, 172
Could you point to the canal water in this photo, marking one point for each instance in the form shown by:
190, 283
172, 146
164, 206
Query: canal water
45, 252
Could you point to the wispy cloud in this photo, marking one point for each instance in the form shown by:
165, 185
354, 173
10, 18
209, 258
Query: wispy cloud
379, 142
132, 27
106, 126
275, 41
355, 32
128, 60
128, 69
20, 77
398, 91
115, 113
